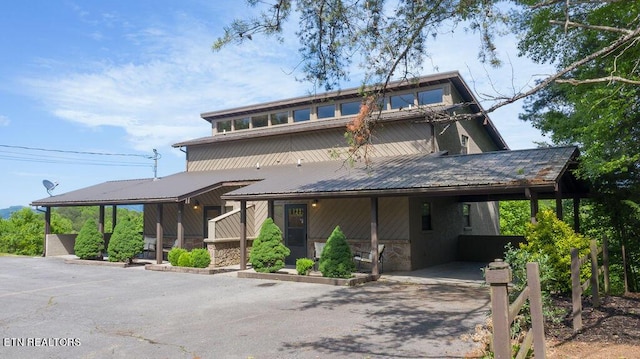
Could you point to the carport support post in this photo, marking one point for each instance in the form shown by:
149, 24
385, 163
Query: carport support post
270, 208
159, 234
47, 229
180, 229
498, 276
374, 237
243, 234
114, 217
534, 206
101, 221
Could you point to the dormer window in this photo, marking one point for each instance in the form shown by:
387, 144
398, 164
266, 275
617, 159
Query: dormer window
259, 121
301, 115
350, 108
430, 96
223, 126
241, 123
279, 118
326, 111
402, 101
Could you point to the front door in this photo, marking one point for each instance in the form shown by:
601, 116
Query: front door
210, 212
295, 234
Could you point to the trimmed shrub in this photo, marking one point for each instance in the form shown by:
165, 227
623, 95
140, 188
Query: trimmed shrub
553, 238
336, 260
268, 252
174, 255
304, 265
89, 242
125, 242
201, 258
185, 260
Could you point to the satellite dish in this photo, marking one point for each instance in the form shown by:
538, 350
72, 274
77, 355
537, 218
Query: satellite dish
50, 186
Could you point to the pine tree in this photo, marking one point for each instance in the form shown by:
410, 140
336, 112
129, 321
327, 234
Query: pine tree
89, 243
268, 251
336, 260
125, 242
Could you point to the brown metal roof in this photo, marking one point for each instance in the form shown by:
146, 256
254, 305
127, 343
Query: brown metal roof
500, 172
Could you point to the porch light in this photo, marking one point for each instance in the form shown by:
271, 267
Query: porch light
196, 205
314, 204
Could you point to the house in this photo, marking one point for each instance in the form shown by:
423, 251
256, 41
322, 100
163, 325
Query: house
431, 183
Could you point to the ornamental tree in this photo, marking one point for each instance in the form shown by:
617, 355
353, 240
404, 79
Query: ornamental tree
336, 260
125, 242
268, 251
89, 242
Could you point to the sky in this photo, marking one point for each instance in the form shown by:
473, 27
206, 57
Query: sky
88, 89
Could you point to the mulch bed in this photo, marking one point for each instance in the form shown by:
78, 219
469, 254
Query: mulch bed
616, 321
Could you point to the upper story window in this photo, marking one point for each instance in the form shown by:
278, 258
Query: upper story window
402, 101
430, 96
259, 121
241, 123
326, 111
464, 144
223, 126
350, 108
279, 118
301, 115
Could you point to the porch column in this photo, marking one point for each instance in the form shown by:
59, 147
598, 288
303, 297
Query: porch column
47, 229
114, 217
558, 201
243, 234
159, 233
576, 214
270, 209
180, 229
374, 237
533, 200
101, 220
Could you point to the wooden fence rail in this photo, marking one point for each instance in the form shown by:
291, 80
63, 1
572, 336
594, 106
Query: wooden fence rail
577, 288
498, 276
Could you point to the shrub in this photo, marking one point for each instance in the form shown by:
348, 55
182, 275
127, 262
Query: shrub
201, 258
554, 238
268, 252
185, 260
336, 260
304, 265
89, 242
125, 242
174, 255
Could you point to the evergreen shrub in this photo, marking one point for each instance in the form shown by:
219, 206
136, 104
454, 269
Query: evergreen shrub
185, 260
336, 260
304, 265
174, 255
126, 242
89, 242
268, 252
200, 258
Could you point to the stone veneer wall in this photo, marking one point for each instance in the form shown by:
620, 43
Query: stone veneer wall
226, 252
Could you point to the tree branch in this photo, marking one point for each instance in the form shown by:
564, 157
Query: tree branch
598, 80
591, 27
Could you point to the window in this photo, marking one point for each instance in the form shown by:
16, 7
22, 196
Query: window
466, 214
326, 111
430, 96
260, 121
426, 216
279, 118
402, 101
223, 126
464, 144
241, 123
350, 108
301, 115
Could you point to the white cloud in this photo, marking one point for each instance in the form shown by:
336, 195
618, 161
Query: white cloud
4, 120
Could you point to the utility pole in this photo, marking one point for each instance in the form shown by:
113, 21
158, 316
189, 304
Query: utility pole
156, 157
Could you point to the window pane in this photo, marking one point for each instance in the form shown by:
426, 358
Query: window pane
223, 126
241, 123
260, 121
301, 115
430, 96
350, 108
466, 214
326, 111
402, 101
426, 216
279, 118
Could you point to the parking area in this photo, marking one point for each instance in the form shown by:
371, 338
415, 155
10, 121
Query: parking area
130, 312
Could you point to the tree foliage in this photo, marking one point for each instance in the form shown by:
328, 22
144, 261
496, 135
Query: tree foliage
23, 232
89, 242
336, 260
268, 252
125, 243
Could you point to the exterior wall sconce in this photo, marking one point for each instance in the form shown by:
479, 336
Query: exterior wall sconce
196, 205
314, 204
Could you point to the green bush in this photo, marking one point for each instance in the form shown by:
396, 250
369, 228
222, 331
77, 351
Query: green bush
336, 260
554, 238
268, 252
174, 255
125, 242
89, 242
304, 265
201, 258
185, 260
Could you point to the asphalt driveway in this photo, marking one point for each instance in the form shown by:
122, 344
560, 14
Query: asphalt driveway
49, 309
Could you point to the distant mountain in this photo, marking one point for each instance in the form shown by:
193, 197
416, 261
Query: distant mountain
6, 212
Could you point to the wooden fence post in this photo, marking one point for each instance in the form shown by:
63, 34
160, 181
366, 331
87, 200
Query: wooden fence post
576, 290
595, 293
535, 305
498, 276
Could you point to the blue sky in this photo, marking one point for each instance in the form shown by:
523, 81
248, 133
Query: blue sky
128, 76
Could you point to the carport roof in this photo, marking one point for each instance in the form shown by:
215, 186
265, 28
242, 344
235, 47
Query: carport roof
490, 173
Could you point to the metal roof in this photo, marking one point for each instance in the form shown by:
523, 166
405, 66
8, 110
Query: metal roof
491, 172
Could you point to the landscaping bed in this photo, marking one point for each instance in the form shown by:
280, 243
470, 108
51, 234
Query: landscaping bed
106, 263
170, 268
313, 277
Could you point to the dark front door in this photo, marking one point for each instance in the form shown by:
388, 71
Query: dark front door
210, 212
295, 234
